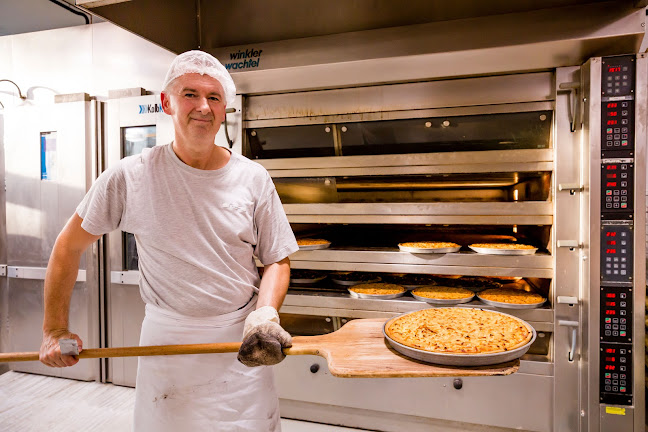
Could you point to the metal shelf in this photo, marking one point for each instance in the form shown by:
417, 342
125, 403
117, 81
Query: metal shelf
489, 213
340, 304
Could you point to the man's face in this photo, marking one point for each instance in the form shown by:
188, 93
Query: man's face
197, 105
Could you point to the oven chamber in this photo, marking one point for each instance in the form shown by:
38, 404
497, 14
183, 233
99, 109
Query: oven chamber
500, 158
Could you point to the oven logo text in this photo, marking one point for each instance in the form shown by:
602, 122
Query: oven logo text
247, 59
150, 108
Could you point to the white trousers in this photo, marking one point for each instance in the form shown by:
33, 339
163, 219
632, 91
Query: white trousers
201, 392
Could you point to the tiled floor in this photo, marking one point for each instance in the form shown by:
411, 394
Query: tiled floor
35, 403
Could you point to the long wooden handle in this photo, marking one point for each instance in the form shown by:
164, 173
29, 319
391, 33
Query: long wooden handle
226, 347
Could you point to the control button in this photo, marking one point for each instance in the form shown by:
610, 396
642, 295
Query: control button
608, 266
608, 326
624, 183
616, 205
624, 136
615, 389
615, 320
622, 312
608, 192
623, 243
616, 259
624, 104
624, 121
623, 272
623, 320
622, 389
623, 327
622, 376
617, 130
615, 327
624, 113
608, 333
608, 388
624, 192
608, 259
624, 175
616, 192
608, 205
615, 376
615, 382
615, 333
622, 368
622, 359
623, 259
624, 198
608, 375
624, 205
607, 381
622, 334
624, 130
622, 351
622, 382
623, 304
607, 320
617, 136
609, 143
616, 198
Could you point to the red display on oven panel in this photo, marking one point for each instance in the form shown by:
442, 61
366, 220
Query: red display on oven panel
613, 113
613, 175
610, 367
610, 251
614, 69
610, 234
610, 295
610, 312
611, 184
611, 242
611, 167
612, 122
612, 105
610, 304
610, 350
610, 359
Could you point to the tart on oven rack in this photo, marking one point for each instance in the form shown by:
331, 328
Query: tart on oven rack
443, 295
511, 298
312, 244
503, 248
429, 247
377, 290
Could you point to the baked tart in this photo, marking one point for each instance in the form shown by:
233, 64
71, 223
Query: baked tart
443, 294
312, 244
503, 248
459, 331
377, 290
429, 247
511, 298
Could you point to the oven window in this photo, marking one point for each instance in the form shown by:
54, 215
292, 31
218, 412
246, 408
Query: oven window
290, 142
134, 140
527, 130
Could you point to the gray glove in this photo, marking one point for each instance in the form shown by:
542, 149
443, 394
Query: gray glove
263, 339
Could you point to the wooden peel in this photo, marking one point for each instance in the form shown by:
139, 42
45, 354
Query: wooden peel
357, 350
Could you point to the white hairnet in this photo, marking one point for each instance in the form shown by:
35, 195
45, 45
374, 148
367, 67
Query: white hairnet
205, 64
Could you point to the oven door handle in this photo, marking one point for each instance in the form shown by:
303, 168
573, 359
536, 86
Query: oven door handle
574, 328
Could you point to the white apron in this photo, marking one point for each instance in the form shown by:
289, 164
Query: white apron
201, 392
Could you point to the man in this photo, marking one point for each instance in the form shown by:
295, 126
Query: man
199, 213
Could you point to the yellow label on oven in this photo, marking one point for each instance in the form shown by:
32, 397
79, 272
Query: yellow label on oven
615, 410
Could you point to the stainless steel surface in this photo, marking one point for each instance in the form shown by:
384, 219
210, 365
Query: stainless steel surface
37, 273
510, 305
36, 212
457, 359
493, 251
3, 270
446, 302
419, 100
641, 155
568, 168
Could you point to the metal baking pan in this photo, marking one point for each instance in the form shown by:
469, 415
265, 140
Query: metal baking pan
461, 359
443, 301
376, 296
354, 282
492, 251
307, 281
429, 250
511, 305
315, 246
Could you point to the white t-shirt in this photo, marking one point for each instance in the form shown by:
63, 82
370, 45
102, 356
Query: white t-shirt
196, 230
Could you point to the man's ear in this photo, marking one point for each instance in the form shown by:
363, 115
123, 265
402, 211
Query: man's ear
166, 103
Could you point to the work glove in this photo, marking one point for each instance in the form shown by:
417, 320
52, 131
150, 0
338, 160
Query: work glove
263, 339
50, 351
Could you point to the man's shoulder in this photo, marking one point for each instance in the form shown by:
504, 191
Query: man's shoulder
250, 166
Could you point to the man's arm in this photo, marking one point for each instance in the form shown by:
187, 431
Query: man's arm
62, 271
263, 337
274, 284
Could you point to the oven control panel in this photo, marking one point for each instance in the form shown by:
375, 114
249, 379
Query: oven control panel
617, 184
616, 252
616, 376
617, 219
